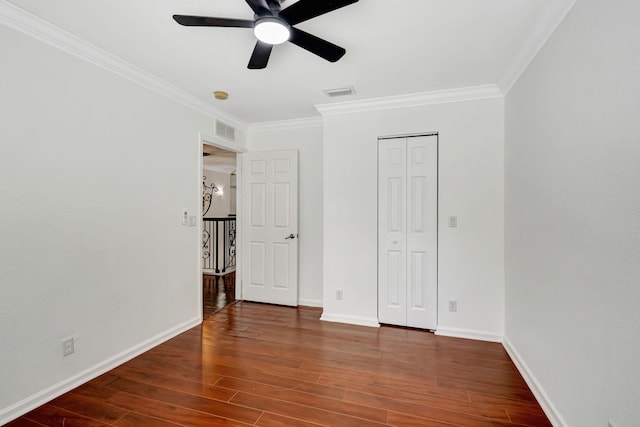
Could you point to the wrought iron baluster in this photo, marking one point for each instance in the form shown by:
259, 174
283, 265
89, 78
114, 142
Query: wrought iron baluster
219, 244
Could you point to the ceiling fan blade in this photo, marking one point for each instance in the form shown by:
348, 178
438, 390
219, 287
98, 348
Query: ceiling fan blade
205, 21
260, 7
313, 44
307, 9
260, 56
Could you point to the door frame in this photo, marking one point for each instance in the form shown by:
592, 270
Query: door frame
218, 142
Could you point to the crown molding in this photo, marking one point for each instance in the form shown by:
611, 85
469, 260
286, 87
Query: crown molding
471, 93
308, 122
36, 27
546, 24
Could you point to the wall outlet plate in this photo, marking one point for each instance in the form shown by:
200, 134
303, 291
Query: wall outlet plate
453, 305
68, 347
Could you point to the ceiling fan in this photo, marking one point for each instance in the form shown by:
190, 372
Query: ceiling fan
272, 25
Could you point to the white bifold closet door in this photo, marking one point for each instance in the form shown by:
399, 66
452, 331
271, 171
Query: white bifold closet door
408, 231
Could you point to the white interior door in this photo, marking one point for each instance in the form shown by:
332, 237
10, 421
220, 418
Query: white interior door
422, 232
392, 231
270, 227
407, 231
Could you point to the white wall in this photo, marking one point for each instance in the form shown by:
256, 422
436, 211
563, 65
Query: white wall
220, 204
573, 217
471, 268
308, 141
94, 173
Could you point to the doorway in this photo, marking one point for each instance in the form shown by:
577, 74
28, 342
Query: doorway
219, 228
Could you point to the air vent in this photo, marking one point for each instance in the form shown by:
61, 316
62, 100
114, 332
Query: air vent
225, 131
343, 91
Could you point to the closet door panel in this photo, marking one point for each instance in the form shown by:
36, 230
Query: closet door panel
392, 213
422, 178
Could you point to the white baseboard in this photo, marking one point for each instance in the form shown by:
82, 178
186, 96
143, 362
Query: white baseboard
536, 388
311, 303
351, 320
40, 398
469, 334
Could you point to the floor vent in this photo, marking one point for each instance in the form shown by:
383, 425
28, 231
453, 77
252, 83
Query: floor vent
223, 130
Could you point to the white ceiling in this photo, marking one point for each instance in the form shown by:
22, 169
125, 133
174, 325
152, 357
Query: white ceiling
218, 159
393, 48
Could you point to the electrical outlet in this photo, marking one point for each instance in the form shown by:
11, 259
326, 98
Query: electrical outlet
67, 347
339, 294
453, 305
453, 221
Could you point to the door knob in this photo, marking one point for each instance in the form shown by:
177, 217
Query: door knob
291, 236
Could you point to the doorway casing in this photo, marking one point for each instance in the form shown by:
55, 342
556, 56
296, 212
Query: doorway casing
221, 143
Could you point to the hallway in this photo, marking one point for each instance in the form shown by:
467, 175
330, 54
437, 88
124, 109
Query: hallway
217, 293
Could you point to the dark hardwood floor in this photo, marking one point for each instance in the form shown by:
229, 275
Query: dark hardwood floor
254, 364
217, 293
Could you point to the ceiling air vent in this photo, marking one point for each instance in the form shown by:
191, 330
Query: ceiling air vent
343, 91
225, 131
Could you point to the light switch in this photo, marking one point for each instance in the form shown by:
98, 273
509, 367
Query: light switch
453, 221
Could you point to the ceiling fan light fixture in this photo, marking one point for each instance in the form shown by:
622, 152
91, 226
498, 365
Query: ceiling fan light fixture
271, 30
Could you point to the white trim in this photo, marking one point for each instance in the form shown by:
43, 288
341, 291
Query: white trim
469, 334
309, 122
536, 388
417, 99
239, 236
31, 402
546, 24
221, 143
310, 302
351, 320
31, 25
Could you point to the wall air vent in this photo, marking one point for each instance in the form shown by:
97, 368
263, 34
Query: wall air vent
225, 131
343, 91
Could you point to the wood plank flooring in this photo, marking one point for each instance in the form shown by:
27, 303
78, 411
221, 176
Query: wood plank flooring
217, 293
261, 365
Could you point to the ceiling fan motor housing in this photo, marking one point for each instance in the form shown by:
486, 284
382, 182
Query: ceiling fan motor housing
275, 5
